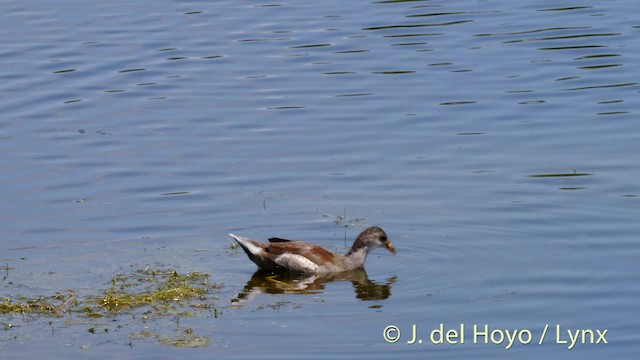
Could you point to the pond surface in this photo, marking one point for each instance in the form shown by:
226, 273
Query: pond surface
496, 142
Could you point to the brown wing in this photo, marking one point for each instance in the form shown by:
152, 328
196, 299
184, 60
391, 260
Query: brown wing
317, 254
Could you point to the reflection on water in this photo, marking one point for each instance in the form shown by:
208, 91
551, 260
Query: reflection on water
263, 282
456, 125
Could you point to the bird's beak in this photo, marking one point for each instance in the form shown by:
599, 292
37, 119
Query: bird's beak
390, 247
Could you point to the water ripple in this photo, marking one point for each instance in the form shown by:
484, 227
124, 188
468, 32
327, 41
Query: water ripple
151, 129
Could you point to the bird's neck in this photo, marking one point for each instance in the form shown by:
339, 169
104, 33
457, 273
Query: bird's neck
356, 256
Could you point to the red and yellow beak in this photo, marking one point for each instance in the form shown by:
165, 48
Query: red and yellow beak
390, 247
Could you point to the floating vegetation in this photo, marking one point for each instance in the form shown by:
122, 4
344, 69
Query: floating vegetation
161, 290
560, 175
24, 305
131, 70
185, 339
341, 219
458, 103
308, 46
144, 294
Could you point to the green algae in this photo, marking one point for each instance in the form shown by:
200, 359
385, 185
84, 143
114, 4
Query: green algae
143, 294
161, 290
186, 338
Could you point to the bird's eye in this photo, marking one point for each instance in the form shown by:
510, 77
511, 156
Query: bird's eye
383, 238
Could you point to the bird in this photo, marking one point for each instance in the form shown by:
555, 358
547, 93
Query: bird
302, 257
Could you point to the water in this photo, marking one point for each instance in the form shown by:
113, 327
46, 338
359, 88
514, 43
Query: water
140, 134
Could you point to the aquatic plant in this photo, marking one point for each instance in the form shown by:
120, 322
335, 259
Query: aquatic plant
148, 292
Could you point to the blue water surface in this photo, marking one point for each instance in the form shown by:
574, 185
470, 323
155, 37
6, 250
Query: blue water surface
495, 141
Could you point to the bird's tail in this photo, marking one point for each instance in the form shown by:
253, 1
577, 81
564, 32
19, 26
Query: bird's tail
247, 245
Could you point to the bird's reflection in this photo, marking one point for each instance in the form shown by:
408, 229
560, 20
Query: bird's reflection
264, 282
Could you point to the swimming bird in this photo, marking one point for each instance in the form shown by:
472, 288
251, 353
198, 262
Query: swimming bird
298, 256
